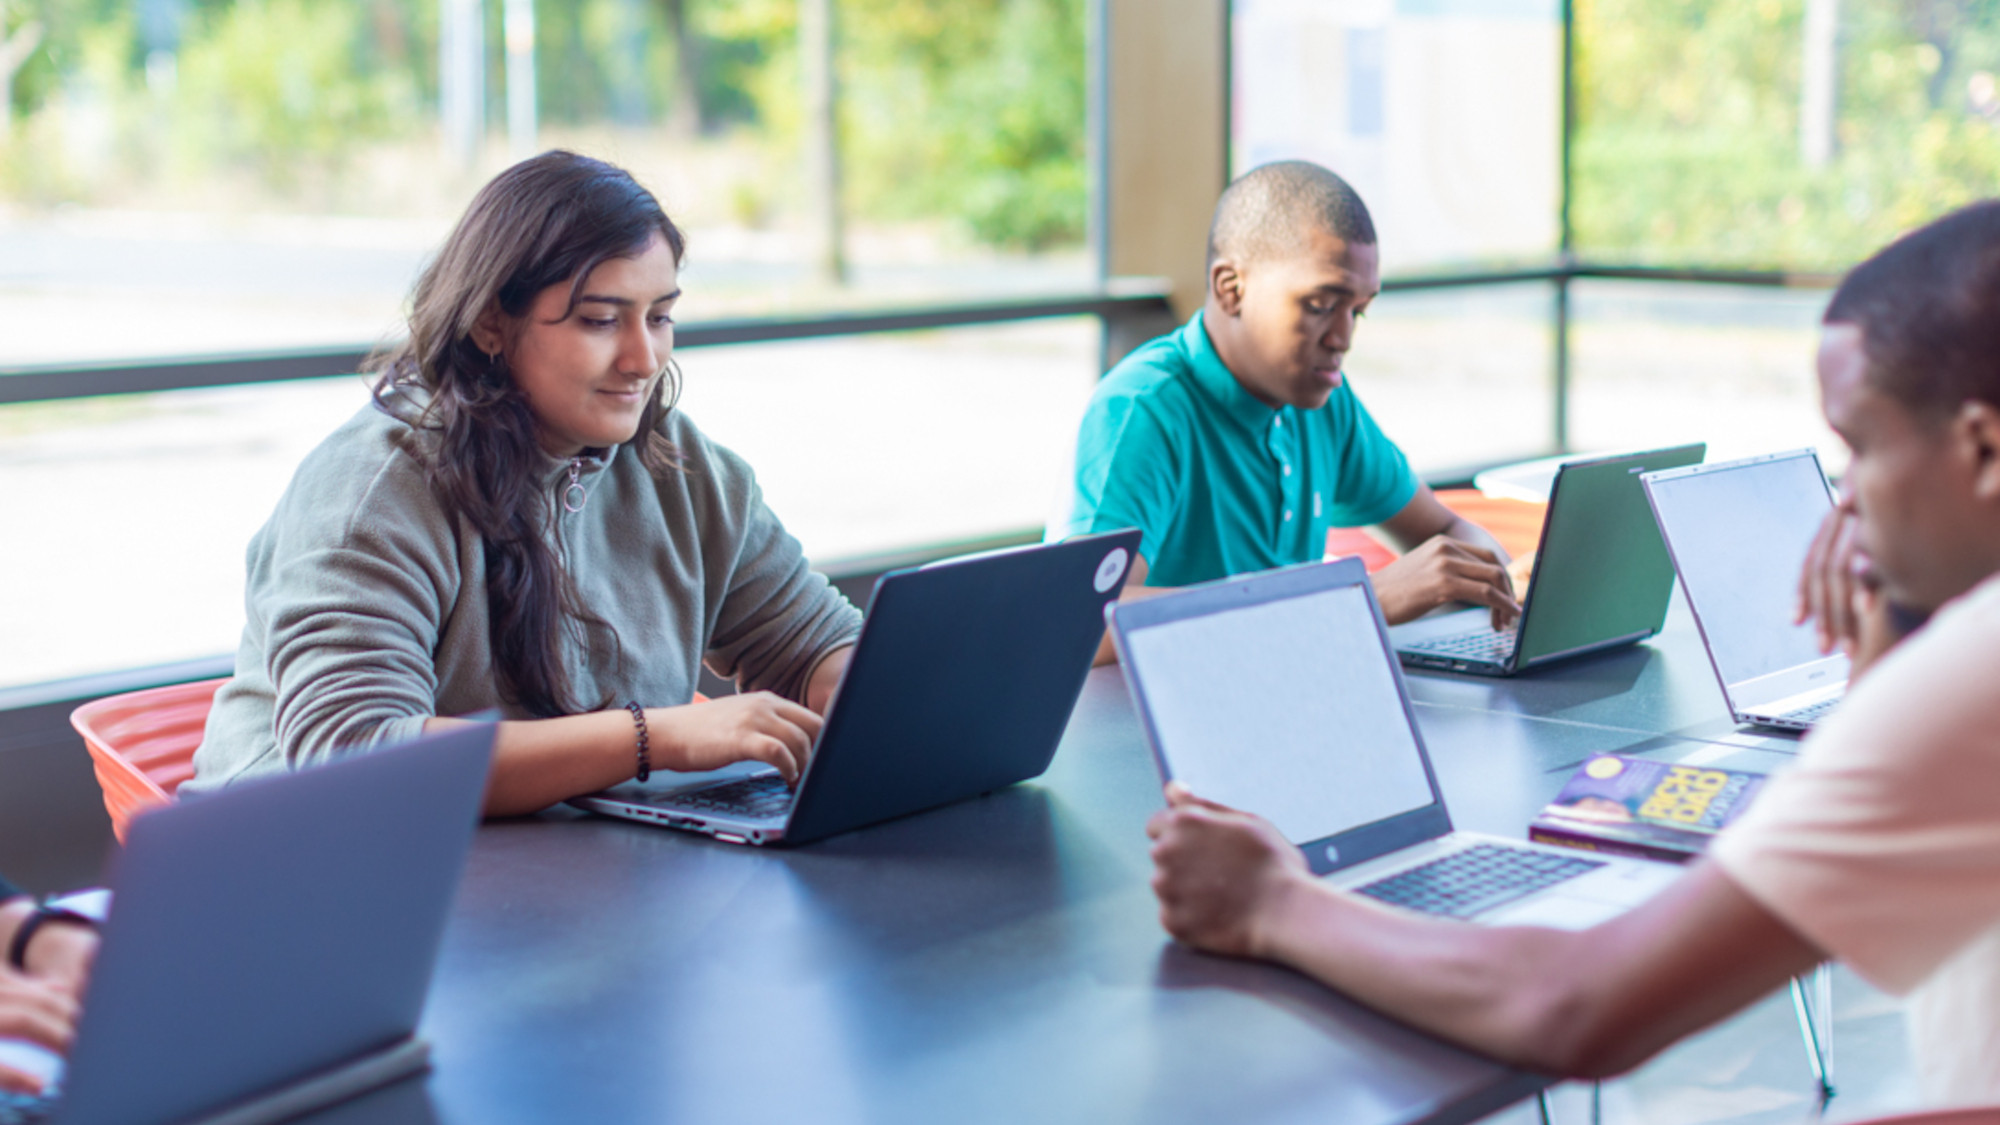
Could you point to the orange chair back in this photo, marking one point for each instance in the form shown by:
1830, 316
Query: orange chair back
1517, 524
142, 744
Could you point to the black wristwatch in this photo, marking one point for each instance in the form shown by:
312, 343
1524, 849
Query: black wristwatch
17, 950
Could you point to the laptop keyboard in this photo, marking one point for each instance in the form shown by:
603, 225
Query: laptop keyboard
1810, 713
1480, 877
1479, 644
765, 795
25, 1109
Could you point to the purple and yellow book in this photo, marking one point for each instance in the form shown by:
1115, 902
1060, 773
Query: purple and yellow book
1636, 807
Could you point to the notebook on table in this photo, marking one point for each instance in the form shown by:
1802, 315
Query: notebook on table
1280, 694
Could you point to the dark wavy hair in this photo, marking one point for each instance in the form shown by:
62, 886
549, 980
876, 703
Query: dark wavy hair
1928, 306
546, 221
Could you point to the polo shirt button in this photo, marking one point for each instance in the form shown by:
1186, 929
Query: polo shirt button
1278, 422
1287, 468
1288, 515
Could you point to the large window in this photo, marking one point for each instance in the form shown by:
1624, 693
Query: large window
1444, 114
1791, 134
127, 517
163, 163
1689, 175
232, 177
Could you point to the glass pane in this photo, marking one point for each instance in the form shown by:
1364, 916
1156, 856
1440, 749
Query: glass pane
1459, 377
1444, 114
1791, 133
867, 443
189, 176
143, 505
1656, 364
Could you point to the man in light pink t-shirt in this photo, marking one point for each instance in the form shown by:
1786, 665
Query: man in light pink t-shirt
1880, 848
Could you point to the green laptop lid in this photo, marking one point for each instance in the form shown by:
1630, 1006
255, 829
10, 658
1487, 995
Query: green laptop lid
1602, 572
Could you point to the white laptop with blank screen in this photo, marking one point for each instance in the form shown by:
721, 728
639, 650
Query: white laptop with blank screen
1738, 532
1279, 694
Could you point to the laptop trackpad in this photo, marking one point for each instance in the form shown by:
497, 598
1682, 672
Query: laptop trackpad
1585, 901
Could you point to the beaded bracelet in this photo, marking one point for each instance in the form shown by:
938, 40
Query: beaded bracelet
644, 752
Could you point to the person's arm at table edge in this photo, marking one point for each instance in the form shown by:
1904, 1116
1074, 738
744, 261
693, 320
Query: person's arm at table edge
1587, 1004
539, 762
1582, 1004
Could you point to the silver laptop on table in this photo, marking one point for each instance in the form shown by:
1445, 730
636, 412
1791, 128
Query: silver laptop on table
1280, 694
269, 946
1738, 532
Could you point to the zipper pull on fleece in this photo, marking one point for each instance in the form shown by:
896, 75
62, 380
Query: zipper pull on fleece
574, 496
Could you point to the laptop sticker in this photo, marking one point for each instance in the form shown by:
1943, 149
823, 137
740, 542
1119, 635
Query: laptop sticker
1111, 569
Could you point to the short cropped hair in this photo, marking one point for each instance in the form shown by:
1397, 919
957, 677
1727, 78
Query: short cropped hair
1928, 306
1271, 208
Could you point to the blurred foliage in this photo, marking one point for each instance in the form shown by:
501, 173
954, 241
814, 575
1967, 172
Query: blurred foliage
288, 87
974, 110
1688, 147
967, 112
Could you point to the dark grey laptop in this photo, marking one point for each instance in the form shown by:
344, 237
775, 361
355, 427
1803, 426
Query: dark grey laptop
1601, 579
1739, 532
961, 684
1278, 694
269, 946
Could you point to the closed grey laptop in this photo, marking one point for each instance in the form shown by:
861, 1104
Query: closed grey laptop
1280, 694
269, 946
1738, 532
961, 683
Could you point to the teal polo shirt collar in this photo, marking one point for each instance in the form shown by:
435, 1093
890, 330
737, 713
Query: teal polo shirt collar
1219, 386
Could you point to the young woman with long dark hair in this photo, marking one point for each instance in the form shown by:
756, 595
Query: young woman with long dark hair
521, 521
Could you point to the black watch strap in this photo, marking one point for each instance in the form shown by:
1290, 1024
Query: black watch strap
17, 950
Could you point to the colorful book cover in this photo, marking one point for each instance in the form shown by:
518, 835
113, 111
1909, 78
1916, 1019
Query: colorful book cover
1655, 810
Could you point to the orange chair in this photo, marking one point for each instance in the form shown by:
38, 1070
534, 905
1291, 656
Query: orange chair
1517, 524
143, 744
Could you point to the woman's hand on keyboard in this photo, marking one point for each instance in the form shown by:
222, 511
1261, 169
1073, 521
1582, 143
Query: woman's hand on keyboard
38, 1011
755, 726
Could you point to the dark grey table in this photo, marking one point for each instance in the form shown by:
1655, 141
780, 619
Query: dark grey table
999, 960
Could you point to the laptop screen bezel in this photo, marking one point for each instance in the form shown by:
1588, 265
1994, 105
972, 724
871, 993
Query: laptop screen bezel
1341, 850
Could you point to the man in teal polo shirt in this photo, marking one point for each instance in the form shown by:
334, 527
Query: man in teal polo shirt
1235, 443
